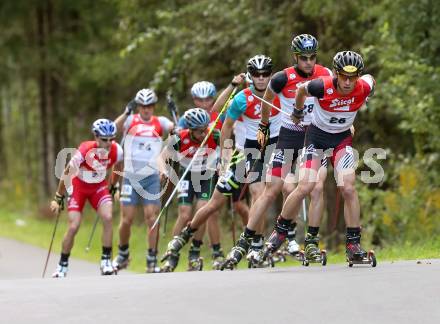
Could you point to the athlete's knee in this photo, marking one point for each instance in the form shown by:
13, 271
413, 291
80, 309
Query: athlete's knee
348, 191
305, 187
185, 217
73, 228
106, 219
126, 221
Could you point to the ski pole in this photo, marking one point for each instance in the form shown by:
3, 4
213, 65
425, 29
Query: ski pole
92, 233
304, 210
193, 158
232, 220
51, 242
272, 105
172, 108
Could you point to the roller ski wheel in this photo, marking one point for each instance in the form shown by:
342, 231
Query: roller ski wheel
254, 264
370, 259
195, 264
280, 256
228, 264
306, 262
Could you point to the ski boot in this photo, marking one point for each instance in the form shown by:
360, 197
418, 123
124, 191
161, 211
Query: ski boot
255, 255
171, 261
356, 255
217, 259
61, 271
292, 245
152, 263
107, 267
312, 253
195, 262
237, 253
121, 261
178, 242
276, 239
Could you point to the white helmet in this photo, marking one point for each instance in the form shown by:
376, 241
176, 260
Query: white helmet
145, 97
203, 89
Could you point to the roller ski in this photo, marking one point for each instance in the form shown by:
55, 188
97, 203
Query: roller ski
237, 253
171, 260
280, 255
312, 253
107, 267
152, 264
356, 255
217, 259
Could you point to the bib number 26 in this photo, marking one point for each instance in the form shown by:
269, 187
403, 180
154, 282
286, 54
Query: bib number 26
335, 120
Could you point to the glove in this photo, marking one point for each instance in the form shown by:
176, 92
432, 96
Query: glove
131, 106
263, 134
57, 204
297, 115
113, 189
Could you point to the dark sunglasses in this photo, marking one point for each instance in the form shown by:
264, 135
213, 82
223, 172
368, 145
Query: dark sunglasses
349, 77
104, 139
307, 58
263, 74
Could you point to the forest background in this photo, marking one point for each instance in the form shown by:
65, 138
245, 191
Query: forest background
66, 63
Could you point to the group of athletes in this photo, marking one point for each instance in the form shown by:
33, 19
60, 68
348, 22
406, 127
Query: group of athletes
228, 145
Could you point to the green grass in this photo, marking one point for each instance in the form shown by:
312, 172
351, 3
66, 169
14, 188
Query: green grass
38, 232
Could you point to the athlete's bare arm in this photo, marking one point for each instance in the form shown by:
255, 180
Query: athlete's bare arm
120, 121
269, 95
301, 95
223, 97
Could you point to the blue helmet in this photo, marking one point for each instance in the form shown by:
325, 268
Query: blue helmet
203, 89
104, 128
196, 118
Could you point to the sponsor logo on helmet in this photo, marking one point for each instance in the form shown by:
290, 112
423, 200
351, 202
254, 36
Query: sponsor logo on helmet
350, 69
292, 76
308, 43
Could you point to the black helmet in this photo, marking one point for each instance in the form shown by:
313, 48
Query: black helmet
349, 62
304, 44
259, 63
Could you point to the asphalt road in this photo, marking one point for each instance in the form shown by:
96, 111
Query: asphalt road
399, 292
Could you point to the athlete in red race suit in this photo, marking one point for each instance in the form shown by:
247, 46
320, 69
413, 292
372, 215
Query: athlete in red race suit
88, 167
337, 101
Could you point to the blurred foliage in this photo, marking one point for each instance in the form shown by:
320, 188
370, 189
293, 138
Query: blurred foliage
97, 54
